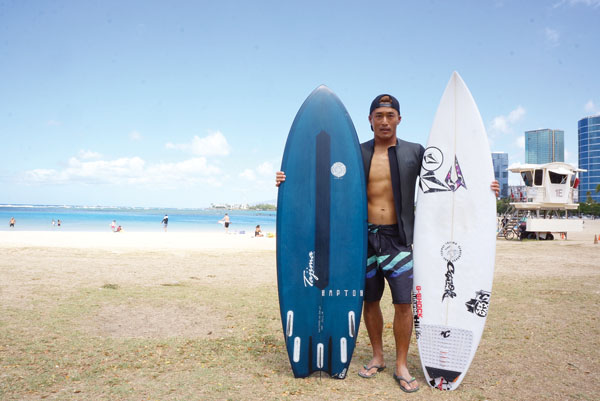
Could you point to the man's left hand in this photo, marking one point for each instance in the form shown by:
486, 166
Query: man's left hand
495, 187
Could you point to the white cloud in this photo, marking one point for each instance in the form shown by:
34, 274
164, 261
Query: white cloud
135, 136
570, 158
552, 37
214, 144
128, 171
591, 107
516, 115
503, 124
266, 168
520, 142
263, 171
500, 124
248, 174
88, 155
573, 3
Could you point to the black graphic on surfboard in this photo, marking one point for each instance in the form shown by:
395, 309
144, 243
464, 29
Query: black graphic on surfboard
442, 383
449, 285
480, 304
432, 161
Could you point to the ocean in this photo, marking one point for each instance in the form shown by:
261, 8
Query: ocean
85, 218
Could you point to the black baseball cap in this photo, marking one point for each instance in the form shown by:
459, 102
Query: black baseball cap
385, 100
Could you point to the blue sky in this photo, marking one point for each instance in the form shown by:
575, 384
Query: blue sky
187, 103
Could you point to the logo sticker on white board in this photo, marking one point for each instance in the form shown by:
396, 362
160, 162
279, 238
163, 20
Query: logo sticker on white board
338, 169
480, 304
433, 158
451, 251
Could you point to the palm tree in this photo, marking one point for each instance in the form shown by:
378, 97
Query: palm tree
597, 188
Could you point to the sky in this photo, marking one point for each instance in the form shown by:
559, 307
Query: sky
187, 103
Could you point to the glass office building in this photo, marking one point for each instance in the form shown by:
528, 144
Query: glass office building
500, 161
544, 146
588, 130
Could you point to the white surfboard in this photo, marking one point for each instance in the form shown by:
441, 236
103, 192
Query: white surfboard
454, 242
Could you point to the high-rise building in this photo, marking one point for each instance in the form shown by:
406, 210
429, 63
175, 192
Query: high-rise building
500, 161
544, 146
588, 130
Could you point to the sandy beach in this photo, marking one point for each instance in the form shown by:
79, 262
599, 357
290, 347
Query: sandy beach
195, 316
133, 241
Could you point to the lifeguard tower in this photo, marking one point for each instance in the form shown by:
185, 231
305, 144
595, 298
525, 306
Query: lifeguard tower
549, 188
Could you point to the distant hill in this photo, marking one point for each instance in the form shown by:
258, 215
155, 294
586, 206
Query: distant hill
265, 205
269, 205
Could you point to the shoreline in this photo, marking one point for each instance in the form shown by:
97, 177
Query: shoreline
192, 240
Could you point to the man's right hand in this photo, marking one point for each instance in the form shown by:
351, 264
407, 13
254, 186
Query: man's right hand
279, 178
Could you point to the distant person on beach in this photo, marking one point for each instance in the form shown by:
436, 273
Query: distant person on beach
119, 229
113, 225
12, 222
165, 222
226, 222
258, 231
58, 223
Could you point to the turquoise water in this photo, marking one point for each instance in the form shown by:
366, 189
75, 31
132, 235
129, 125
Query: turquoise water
80, 218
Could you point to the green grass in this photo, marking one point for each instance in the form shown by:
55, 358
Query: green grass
540, 342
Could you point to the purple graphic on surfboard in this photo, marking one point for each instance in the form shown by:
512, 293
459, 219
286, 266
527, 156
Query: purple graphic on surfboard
432, 161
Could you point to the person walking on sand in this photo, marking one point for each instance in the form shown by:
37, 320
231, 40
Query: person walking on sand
113, 225
12, 222
165, 222
392, 167
226, 222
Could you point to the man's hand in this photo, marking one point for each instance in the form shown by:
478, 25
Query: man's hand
495, 187
280, 177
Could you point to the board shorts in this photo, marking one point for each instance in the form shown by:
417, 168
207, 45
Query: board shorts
226, 224
388, 257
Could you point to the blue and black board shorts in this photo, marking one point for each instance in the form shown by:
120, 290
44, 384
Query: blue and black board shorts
388, 257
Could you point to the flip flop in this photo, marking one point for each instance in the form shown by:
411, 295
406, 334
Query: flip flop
400, 379
367, 368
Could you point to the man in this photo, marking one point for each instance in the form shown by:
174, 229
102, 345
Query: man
226, 222
391, 167
165, 222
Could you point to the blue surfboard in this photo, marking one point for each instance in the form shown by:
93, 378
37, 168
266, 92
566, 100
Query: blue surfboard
321, 237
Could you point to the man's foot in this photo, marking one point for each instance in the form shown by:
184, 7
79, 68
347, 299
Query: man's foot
369, 371
407, 383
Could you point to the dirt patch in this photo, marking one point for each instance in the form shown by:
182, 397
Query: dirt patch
124, 321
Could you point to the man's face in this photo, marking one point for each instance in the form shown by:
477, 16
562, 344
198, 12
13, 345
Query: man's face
384, 121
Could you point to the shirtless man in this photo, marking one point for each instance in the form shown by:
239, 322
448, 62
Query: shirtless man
165, 222
226, 222
391, 167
